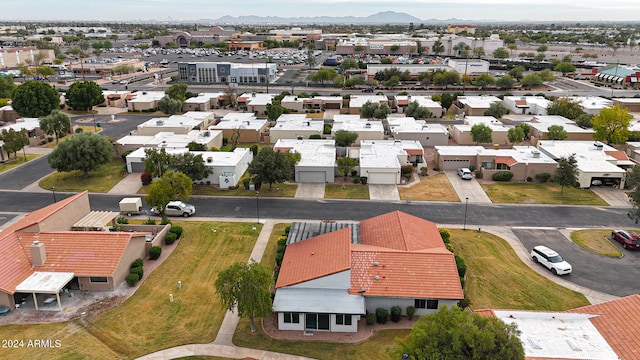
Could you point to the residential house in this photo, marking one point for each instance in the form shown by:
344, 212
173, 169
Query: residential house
591, 104
328, 282
540, 128
633, 150
177, 124
318, 103
317, 159
462, 133
204, 102
31, 126
207, 138
255, 102
245, 127
295, 126
408, 128
365, 128
595, 160
523, 161
7, 114
527, 105
356, 101
631, 104
143, 100
402, 101
476, 105
381, 160
115, 98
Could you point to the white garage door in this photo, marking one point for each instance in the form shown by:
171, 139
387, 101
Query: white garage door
455, 164
381, 178
311, 176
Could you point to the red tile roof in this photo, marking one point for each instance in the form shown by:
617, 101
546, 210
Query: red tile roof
618, 155
403, 102
618, 323
415, 152
314, 258
401, 231
521, 103
506, 160
114, 96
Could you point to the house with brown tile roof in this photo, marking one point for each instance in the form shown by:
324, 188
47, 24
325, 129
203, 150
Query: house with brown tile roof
329, 281
602, 331
39, 254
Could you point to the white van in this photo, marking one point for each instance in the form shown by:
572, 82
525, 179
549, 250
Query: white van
551, 260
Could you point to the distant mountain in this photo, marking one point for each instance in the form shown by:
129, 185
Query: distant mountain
386, 17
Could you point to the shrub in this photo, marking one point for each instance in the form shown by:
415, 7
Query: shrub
150, 221
382, 315
406, 169
411, 310
254, 149
287, 229
165, 221
354, 172
145, 178
529, 179
78, 130
132, 279
396, 313
137, 262
462, 267
138, 271
424, 171
176, 230
436, 168
445, 234
503, 175
356, 179
170, 238
464, 303
154, 252
543, 177
122, 220
370, 319
50, 139
363, 180
279, 257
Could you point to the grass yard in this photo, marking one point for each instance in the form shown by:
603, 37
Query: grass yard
596, 241
349, 191
6, 166
100, 181
431, 188
147, 321
513, 193
269, 256
278, 190
497, 278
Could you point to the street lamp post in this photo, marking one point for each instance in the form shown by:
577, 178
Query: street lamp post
53, 190
258, 206
95, 129
466, 205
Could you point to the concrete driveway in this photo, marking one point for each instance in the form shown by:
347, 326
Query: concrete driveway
310, 191
613, 197
467, 188
383, 192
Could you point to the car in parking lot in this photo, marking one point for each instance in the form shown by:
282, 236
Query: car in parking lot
465, 173
628, 239
176, 208
551, 260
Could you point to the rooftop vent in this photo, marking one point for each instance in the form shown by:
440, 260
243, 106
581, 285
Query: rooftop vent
535, 153
534, 343
376, 277
367, 125
159, 122
375, 263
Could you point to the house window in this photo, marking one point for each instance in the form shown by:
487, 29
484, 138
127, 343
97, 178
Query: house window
98, 279
502, 166
432, 304
420, 304
343, 319
487, 165
291, 318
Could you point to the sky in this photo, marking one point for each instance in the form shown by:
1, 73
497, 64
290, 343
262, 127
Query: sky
174, 10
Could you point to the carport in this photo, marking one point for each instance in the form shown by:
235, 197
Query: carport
45, 283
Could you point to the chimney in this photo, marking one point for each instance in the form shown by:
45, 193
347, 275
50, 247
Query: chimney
38, 254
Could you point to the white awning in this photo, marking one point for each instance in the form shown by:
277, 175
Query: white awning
326, 301
45, 282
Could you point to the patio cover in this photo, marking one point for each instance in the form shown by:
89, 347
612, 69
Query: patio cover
327, 301
41, 282
95, 221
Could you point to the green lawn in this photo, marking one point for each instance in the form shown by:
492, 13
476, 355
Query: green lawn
100, 181
348, 191
514, 193
6, 166
496, 278
596, 241
278, 190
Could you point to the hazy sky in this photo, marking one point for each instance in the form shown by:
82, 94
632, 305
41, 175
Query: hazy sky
114, 10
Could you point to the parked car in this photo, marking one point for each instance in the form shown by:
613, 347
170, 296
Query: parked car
176, 208
551, 260
629, 240
465, 173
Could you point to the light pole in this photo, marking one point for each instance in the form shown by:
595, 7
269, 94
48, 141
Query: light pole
466, 204
53, 190
95, 129
258, 206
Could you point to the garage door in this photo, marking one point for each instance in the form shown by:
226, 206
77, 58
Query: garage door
137, 167
455, 164
381, 178
311, 176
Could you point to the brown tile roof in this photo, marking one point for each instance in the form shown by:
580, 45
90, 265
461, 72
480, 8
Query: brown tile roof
506, 160
400, 231
618, 155
114, 96
521, 103
618, 323
403, 102
242, 99
415, 152
314, 258
404, 274
84, 253
130, 96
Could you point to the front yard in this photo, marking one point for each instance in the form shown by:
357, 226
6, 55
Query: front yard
100, 181
431, 188
514, 193
346, 191
10, 164
596, 241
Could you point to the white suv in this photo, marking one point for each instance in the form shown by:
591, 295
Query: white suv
551, 260
465, 173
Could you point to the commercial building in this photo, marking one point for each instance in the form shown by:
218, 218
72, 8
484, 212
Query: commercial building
227, 73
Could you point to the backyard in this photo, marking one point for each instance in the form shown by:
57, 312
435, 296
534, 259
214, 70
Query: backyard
513, 193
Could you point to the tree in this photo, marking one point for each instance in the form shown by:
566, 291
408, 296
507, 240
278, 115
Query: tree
346, 165
323, 75
546, 75
438, 47
34, 99
270, 167
497, 110
531, 80
481, 134
526, 128
446, 100
454, 333
500, 53
374, 110
349, 63
57, 123
177, 91
517, 72
634, 198
191, 165
6, 87
84, 151
515, 135
565, 68
274, 110
612, 125
345, 137
170, 186
483, 80
156, 162
14, 141
556, 132
565, 107
83, 95
169, 105
416, 111
505, 82
567, 172
245, 287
